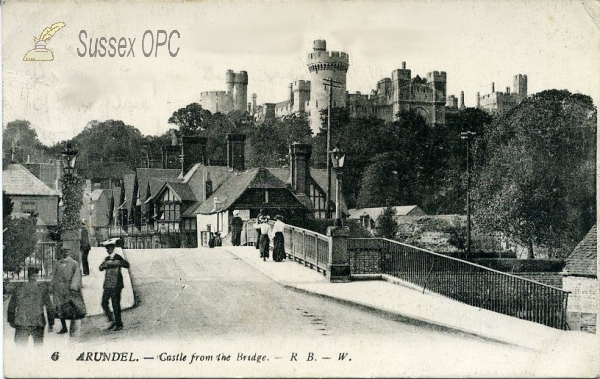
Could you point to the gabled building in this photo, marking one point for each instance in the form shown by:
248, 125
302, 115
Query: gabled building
200, 199
368, 216
31, 196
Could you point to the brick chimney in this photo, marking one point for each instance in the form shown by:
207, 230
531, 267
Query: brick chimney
300, 166
193, 150
235, 151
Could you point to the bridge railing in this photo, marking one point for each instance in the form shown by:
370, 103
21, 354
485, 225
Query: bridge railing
463, 281
301, 245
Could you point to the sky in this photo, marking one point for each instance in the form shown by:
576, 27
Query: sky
476, 43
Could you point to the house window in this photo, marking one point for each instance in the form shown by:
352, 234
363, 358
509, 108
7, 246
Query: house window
29, 207
266, 196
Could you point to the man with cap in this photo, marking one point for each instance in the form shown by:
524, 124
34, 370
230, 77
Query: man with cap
113, 283
26, 310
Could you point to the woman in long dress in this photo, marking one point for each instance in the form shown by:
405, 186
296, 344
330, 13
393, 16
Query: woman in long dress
278, 246
264, 240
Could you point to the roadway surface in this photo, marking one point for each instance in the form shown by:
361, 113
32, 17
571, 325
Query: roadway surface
208, 301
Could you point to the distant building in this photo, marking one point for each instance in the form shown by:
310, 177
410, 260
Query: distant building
31, 196
580, 277
498, 102
235, 98
368, 216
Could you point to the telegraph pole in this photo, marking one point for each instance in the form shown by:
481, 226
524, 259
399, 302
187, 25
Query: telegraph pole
467, 136
331, 84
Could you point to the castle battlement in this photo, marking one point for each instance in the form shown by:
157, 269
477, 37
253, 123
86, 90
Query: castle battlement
213, 93
436, 76
328, 56
301, 85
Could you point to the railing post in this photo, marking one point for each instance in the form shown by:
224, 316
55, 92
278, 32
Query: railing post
338, 265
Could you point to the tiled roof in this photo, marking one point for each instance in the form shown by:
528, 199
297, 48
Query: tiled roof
404, 210
182, 190
145, 174
17, 180
582, 261
128, 180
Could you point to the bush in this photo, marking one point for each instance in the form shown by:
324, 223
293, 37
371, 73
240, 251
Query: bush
19, 242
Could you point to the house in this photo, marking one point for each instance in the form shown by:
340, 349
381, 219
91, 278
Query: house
580, 277
200, 198
31, 196
368, 216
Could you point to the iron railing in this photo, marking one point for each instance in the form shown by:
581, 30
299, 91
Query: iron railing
301, 245
460, 280
43, 259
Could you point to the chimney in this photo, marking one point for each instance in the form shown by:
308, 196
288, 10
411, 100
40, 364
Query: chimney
404, 65
235, 151
193, 150
300, 166
291, 93
478, 100
493, 88
508, 90
253, 102
208, 186
462, 100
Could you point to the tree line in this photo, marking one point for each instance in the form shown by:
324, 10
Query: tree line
533, 171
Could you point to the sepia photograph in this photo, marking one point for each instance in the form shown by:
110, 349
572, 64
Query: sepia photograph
395, 188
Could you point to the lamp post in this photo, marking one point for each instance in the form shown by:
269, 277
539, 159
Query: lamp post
337, 160
72, 195
467, 136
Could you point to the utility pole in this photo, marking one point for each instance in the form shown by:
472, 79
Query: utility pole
331, 84
467, 136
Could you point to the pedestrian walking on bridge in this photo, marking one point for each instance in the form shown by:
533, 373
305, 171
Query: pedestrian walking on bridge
113, 284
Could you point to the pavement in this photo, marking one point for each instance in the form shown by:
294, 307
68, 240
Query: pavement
391, 295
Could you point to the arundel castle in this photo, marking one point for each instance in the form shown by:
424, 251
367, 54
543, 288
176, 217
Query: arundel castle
401, 91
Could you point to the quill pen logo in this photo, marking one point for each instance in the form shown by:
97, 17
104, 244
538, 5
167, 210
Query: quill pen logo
40, 52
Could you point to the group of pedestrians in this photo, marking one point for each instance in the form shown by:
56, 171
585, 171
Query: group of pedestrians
34, 302
264, 232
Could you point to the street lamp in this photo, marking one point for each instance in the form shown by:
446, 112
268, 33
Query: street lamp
70, 155
468, 135
337, 159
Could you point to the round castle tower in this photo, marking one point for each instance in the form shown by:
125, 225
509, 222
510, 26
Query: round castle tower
323, 64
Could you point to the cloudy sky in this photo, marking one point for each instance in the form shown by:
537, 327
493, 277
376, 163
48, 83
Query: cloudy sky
555, 43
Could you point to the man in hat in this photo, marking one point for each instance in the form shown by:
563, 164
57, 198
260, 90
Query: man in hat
236, 228
113, 283
26, 310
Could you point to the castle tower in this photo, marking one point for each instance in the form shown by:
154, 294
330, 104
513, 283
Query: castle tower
520, 86
462, 100
301, 94
240, 90
323, 64
229, 79
401, 89
437, 81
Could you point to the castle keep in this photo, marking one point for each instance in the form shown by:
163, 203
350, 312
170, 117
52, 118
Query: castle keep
234, 99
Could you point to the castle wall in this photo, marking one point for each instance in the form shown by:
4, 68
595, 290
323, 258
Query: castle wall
216, 101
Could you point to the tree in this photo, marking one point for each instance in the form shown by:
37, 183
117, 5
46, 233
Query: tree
19, 240
379, 185
190, 120
20, 138
387, 226
537, 184
110, 141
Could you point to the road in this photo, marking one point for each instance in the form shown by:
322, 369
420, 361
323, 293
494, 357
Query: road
209, 301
